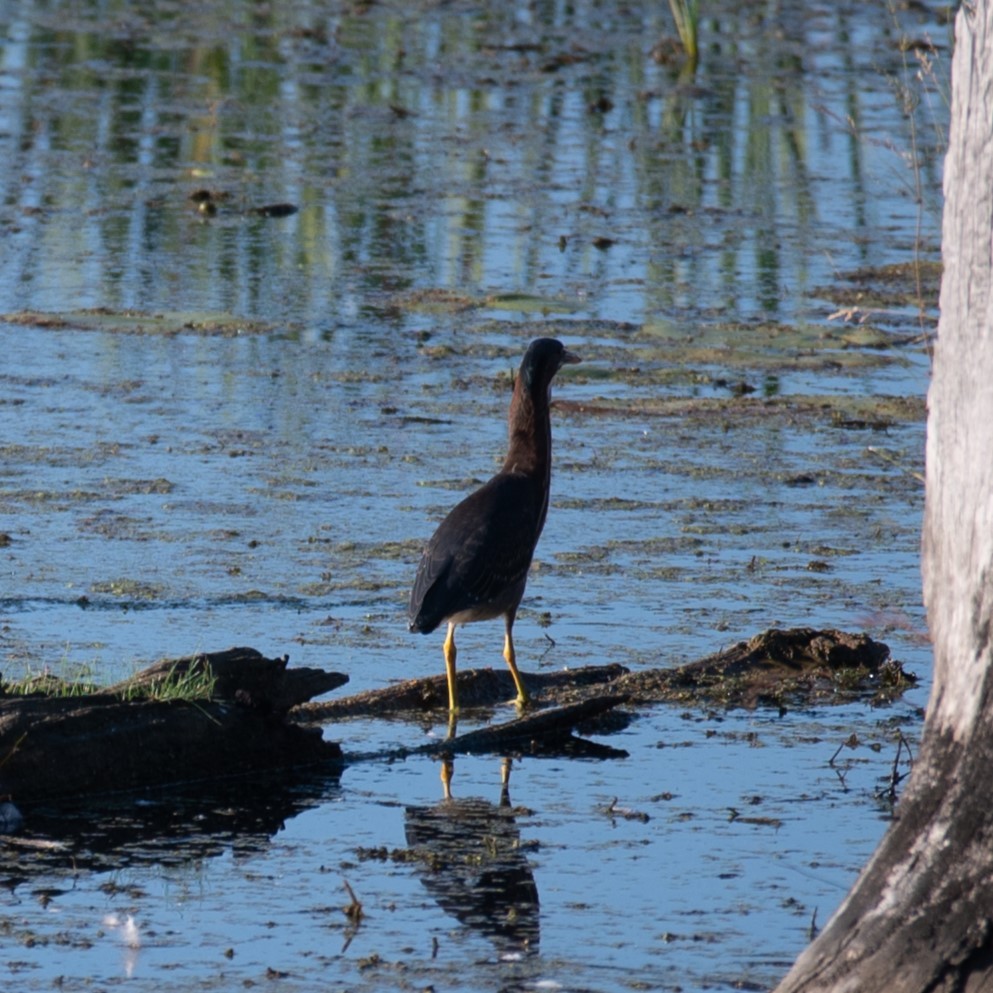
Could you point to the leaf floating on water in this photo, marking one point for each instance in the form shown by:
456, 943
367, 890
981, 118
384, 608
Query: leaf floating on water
564, 59
529, 303
276, 210
434, 300
207, 200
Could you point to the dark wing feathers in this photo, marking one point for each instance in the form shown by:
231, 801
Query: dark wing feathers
480, 552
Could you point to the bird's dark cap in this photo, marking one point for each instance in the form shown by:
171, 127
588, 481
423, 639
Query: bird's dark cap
544, 349
544, 357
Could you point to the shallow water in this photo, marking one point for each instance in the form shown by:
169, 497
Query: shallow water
252, 443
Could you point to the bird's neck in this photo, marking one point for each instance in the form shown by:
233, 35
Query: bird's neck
529, 448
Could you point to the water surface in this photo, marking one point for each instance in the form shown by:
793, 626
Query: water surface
252, 438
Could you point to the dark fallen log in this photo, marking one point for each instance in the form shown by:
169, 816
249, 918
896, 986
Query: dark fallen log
181, 721
232, 712
477, 688
240, 674
779, 667
542, 732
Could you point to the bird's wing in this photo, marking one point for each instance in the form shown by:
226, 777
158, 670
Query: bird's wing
480, 551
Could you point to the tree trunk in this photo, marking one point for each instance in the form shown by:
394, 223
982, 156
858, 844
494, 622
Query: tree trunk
920, 917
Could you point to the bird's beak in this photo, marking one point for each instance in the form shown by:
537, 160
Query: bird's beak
570, 358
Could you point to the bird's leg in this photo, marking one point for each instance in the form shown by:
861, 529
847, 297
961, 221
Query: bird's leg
450, 653
511, 657
505, 768
447, 771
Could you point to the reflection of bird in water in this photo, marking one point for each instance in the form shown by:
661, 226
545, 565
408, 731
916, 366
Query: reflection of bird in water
471, 862
475, 566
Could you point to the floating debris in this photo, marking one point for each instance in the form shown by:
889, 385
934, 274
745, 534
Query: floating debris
276, 210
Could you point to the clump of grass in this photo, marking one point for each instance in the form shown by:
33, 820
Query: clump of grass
686, 15
195, 682
191, 683
66, 680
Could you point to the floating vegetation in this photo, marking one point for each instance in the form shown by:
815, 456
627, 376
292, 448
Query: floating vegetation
165, 324
128, 589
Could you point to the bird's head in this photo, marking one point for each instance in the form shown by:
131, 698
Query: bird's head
544, 358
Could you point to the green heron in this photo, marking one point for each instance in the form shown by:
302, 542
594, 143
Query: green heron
475, 566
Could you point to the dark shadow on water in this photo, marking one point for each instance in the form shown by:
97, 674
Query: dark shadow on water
162, 827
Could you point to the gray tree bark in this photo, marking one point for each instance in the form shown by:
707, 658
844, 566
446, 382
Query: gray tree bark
920, 916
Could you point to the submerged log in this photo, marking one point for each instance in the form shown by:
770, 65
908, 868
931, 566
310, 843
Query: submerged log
545, 732
185, 720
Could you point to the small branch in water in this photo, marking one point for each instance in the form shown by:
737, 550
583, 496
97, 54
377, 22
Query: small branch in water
551, 645
850, 742
612, 810
891, 460
353, 911
896, 777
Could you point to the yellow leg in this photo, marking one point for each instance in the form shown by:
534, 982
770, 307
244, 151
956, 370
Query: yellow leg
511, 657
450, 653
505, 768
447, 771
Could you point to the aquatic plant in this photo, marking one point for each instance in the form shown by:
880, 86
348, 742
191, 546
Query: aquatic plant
686, 15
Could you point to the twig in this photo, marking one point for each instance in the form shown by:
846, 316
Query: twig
896, 777
353, 911
851, 741
894, 461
